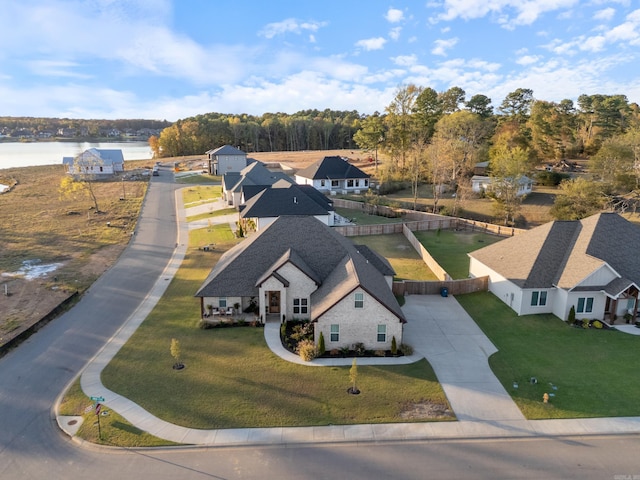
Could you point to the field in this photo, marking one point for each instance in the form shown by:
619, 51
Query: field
52, 245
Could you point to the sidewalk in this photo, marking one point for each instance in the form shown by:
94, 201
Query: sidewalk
438, 329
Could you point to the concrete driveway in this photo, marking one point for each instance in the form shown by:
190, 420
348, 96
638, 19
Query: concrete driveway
441, 330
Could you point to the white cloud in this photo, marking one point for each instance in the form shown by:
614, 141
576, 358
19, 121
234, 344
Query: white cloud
289, 25
508, 12
394, 33
527, 59
441, 46
371, 43
394, 15
604, 14
405, 60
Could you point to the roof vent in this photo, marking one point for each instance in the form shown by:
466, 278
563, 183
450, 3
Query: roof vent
295, 200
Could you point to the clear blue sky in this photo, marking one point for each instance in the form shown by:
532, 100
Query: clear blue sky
170, 59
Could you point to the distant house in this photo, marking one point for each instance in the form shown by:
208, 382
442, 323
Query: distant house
590, 264
226, 159
95, 161
334, 174
238, 187
480, 183
284, 198
299, 268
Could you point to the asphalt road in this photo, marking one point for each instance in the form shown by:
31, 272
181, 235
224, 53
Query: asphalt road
33, 375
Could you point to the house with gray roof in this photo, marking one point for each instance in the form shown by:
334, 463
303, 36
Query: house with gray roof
238, 187
226, 159
299, 268
284, 198
334, 174
591, 264
95, 161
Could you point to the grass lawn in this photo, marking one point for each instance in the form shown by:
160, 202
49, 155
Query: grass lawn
400, 253
198, 179
361, 218
595, 371
233, 380
200, 194
213, 213
450, 248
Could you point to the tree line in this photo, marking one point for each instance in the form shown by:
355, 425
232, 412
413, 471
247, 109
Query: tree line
439, 138
270, 132
39, 126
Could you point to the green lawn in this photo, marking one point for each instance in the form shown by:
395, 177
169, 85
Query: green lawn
233, 380
449, 248
214, 213
361, 218
198, 179
595, 371
400, 253
201, 193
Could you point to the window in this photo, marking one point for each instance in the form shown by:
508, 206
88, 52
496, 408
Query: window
335, 183
382, 333
366, 182
222, 302
359, 300
357, 183
322, 183
538, 299
335, 332
300, 305
585, 305
350, 183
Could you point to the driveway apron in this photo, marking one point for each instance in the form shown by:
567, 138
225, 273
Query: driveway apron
439, 329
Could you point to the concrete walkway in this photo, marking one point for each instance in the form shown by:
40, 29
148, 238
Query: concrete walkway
438, 329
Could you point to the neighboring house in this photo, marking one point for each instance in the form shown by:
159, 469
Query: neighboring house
285, 198
590, 264
481, 183
298, 268
95, 161
226, 159
238, 187
334, 174
481, 168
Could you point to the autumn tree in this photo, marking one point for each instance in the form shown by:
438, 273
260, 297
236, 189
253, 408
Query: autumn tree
401, 124
371, 135
578, 198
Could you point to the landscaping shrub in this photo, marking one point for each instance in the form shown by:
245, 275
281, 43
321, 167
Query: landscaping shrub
406, 349
359, 349
321, 347
394, 346
307, 350
572, 316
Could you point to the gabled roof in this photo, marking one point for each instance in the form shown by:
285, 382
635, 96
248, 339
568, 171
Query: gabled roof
225, 150
331, 168
324, 255
256, 174
565, 253
284, 198
105, 156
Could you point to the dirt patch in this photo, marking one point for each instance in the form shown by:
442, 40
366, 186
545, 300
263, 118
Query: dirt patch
424, 410
30, 300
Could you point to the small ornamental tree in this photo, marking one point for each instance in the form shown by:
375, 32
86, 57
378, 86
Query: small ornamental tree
572, 315
394, 346
353, 376
175, 353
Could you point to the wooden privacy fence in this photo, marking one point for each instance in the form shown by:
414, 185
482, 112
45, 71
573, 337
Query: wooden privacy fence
454, 287
431, 262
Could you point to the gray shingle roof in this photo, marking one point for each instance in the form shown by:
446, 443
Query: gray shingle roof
225, 150
565, 253
331, 168
107, 156
315, 248
284, 198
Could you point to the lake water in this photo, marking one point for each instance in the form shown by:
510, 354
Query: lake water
27, 154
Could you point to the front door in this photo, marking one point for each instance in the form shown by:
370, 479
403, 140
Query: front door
274, 302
